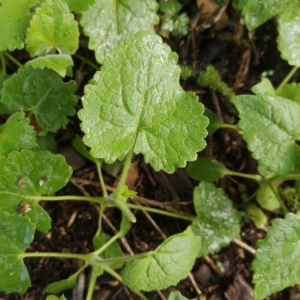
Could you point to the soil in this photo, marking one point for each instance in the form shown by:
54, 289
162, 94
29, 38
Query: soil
240, 58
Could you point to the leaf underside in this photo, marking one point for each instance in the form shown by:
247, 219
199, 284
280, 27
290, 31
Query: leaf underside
277, 260
107, 23
271, 127
136, 101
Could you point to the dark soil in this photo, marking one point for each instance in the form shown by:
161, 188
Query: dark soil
240, 59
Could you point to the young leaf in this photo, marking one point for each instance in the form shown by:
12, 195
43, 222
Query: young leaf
214, 121
264, 87
107, 23
217, 222
58, 63
277, 260
15, 17
16, 134
51, 297
52, 28
206, 168
256, 215
43, 93
16, 233
62, 285
176, 296
114, 250
135, 101
271, 126
290, 91
165, 266
26, 175
288, 41
266, 198
79, 6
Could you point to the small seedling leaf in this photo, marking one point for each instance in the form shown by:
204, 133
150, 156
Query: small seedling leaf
16, 233
15, 17
79, 6
277, 260
264, 87
26, 175
112, 251
52, 28
165, 266
266, 198
217, 222
271, 125
51, 297
290, 91
58, 63
176, 296
62, 285
207, 169
256, 215
214, 121
51, 103
135, 101
107, 23
17, 134
288, 41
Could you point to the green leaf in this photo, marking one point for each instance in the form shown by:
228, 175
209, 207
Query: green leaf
58, 63
214, 121
62, 285
290, 91
277, 260
135, 101
51, 102
288, 41
211, 79
25, 176
256, 215
258, 12
165, 266
107, 23
266, 198
271, 125
112, 251
16, 134
80, 147
52, 28
51, 297
16, 233
176, 296
79, 6
15, 17
264, 87
217, 222
206, 168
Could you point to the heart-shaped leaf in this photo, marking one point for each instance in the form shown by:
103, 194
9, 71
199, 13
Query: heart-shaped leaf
135, 101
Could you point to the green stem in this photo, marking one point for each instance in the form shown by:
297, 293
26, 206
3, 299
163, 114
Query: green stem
123, 259
286, 177
125, 170
287, 78
255, 177
86, 257
92, 284
231, 126
107, 244
101, 180
282, 205
3, 65
87, 61
100, 200
12, 59
161, 212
